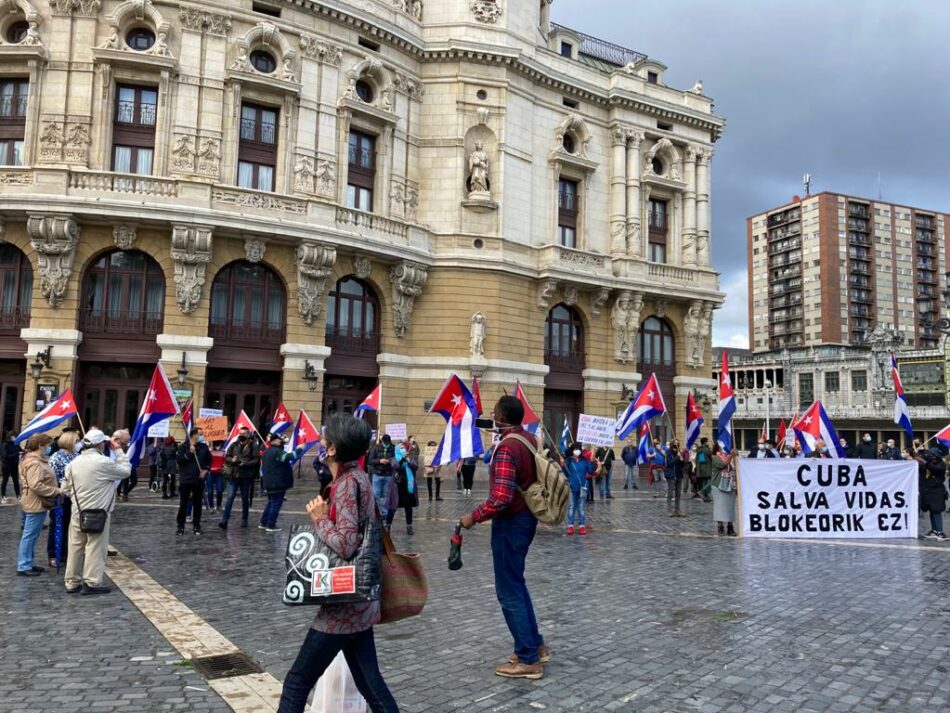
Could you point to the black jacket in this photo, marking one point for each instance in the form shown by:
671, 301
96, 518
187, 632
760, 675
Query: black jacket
378, 453
931, 472
248, 459
168, 460
192, 463
277, 469
10, 455
867, 451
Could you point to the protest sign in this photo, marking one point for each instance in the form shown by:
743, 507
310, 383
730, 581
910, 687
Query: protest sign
596, 430
159, 430
215, 428
827, 498
396, 431
210, 412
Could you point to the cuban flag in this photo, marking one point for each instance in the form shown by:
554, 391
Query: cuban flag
694, 420
814, 424
901, 412
282, 420
943, 435
531, 421
242, 420
373, 402
62, 409
643, 447
159, 404
566, 437
727, 406
477, 395
647, 404
461, 438
305, 435
187, 418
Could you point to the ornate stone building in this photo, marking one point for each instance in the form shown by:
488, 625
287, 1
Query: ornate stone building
290, 201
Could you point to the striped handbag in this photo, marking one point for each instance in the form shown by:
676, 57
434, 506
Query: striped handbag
405, 587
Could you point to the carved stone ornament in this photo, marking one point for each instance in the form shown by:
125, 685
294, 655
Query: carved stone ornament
191, 252
52, 139
671, 159
88, 8
408, 279
662, 307
304, 174
200, 21
545, 293
570, 295
476, 344
625, 318
54, 238
209, 157
404, 83
362, 266
319, 50
694, 329
325, 177
314, 267
599, 300
124, 236
478, 167
254, 249
486, 10
410, 7
184, 153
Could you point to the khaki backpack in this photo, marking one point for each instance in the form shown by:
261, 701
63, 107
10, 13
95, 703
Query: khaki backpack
547, 498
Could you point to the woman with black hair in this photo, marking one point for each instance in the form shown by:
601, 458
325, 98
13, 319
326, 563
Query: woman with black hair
341, 627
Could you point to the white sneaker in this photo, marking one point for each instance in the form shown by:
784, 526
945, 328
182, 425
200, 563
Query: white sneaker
932, 535
941, 537
3, 501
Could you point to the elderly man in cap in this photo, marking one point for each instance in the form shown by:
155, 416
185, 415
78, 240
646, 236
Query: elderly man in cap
277, 467
90, 481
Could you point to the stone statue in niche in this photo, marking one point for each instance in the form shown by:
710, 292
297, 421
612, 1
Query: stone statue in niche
478, 172
620, 316
476, 345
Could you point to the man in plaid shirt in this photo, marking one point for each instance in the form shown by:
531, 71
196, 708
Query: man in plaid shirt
513, 527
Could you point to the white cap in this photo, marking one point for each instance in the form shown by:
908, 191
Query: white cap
94, 437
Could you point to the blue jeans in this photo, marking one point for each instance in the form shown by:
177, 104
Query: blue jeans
630, 476
32, 527
381, 484
315, 656
510, 539
575, 511
272, 509
246, 486
936, 521
603, 485
214, 486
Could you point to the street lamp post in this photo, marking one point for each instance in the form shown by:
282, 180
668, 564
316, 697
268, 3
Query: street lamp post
768, 406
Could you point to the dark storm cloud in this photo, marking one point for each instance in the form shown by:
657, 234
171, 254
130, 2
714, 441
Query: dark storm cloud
842, 89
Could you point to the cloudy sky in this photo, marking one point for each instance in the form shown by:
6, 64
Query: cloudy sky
846, 90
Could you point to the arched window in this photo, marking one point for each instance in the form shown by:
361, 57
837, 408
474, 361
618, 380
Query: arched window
16, 289
352, 317
655, 350
564, 340
123, 292
248, 305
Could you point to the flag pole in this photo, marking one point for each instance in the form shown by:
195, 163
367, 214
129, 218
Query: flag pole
81, 427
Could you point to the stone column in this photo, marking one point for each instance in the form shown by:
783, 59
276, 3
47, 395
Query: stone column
618, 180
634, 211
62, 368
702, 205
644, 211
295, 392
689, 207
195, 351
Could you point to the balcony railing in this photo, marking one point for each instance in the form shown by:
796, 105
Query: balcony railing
249, 131
784, 245
786, 301
125, 114
861, 296
13, 107
925, 236
250, 333
925, 276
119, 322
858, 211
13, 319
565, 363
123, 183
924, 221
603, 50
360, 220
784, 217
860, 267
349, 342
858, 239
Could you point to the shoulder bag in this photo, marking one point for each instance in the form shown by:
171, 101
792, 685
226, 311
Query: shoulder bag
317, 575
727, 480
405, 585
91, 521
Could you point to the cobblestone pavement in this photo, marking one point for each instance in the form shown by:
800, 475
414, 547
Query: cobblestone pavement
646, 614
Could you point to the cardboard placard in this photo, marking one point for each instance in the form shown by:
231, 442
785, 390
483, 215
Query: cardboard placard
596, 430
215, 428
397, 431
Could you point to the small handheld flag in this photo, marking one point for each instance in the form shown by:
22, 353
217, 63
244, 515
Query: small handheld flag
282, 420
566, 437
62, 409
943, 435
814, 424
305, 435
242, 420
727, 406
373, 402
461, 439
643, 448
159, 404
531, 421
694, 420
477, 395
187, 418
901, 412
647, 404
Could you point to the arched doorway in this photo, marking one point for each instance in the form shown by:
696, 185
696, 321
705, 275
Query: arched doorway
121, 311
16, 295
352, 371
248, 324
565, 357
656, 353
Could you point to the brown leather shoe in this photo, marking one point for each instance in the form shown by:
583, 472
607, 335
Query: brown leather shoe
543, 652
520, 670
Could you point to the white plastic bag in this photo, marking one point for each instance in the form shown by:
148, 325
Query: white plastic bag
336, 691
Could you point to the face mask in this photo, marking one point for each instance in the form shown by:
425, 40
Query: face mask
844, 444
78, 447
400, 453
577, 454
825, 449
242, 437
761, 446
867, 439
201, 439
47, 450
890, 444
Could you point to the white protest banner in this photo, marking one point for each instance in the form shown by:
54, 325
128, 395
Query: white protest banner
827, 498
595, 430
396, 431
159, 430
210, 412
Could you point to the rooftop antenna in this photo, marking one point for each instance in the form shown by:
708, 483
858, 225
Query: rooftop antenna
806, 180
880, 191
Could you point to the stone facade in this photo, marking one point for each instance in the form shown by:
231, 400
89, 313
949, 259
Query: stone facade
435, 248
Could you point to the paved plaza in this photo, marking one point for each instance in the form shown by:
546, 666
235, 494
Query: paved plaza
647, 613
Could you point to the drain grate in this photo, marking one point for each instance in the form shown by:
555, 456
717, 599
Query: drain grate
226, 665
